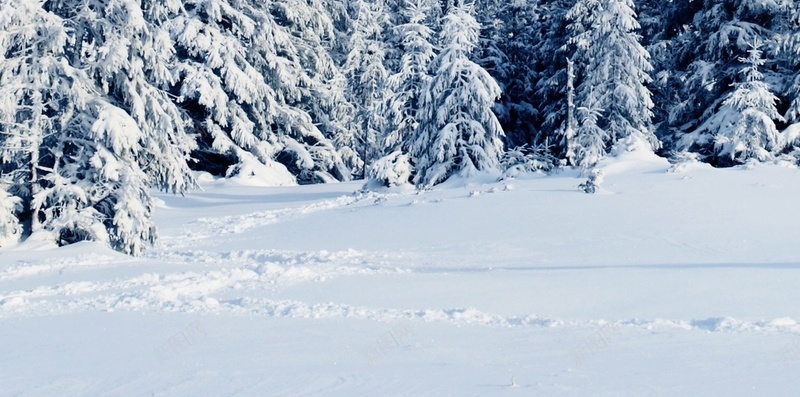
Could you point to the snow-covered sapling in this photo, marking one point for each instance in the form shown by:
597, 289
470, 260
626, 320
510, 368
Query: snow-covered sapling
393, 169
593, 183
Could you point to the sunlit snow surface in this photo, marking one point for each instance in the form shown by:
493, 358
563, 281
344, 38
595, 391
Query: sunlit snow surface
669, 281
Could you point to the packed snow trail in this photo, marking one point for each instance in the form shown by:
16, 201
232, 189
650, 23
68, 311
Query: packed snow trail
210, 227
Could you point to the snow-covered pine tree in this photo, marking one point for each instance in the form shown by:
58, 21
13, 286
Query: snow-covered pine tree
791, 47
613, 70
549, 76
342, 21
743, 127
459, 133
96, 190
508, 51
702, 67
258, 86
124, 47
397, 12
367, 76
408, 84
589, 139
224, 95
321, 86
669, 35
64, 146
31, 65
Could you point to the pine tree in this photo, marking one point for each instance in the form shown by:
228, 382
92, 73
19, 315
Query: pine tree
367, 76
31, 70
223, 93
129, 54
549, 77
589, 139
258, 86
670, 36
791, 47
612, 71
789, 52
701, 70
96, 190
508, 51
394, 35
743, 128
460, 134
406, 87
69, 155
316, 92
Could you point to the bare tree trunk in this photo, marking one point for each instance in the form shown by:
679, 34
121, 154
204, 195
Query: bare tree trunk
36, 224
569, 132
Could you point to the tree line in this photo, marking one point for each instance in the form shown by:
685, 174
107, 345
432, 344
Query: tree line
104, 100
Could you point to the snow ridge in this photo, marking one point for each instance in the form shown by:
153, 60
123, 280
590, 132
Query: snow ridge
190, 293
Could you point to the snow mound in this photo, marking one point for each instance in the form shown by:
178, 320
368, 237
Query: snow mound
251, 172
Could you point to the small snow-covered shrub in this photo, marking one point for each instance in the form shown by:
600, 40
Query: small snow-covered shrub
65, 210
681, 160
791, 137
525, 159
9, 224
795, 154
594, 181
251, 171
393, 169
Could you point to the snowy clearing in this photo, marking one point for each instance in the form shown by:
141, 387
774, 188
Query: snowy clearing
668, 281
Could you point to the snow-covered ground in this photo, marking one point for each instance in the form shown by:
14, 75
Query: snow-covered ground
667, 282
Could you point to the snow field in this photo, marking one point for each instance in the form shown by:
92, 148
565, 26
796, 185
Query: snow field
662, 284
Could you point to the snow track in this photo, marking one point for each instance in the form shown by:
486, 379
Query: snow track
23, 269
239, 281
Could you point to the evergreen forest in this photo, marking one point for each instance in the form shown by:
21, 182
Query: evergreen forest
106, 101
